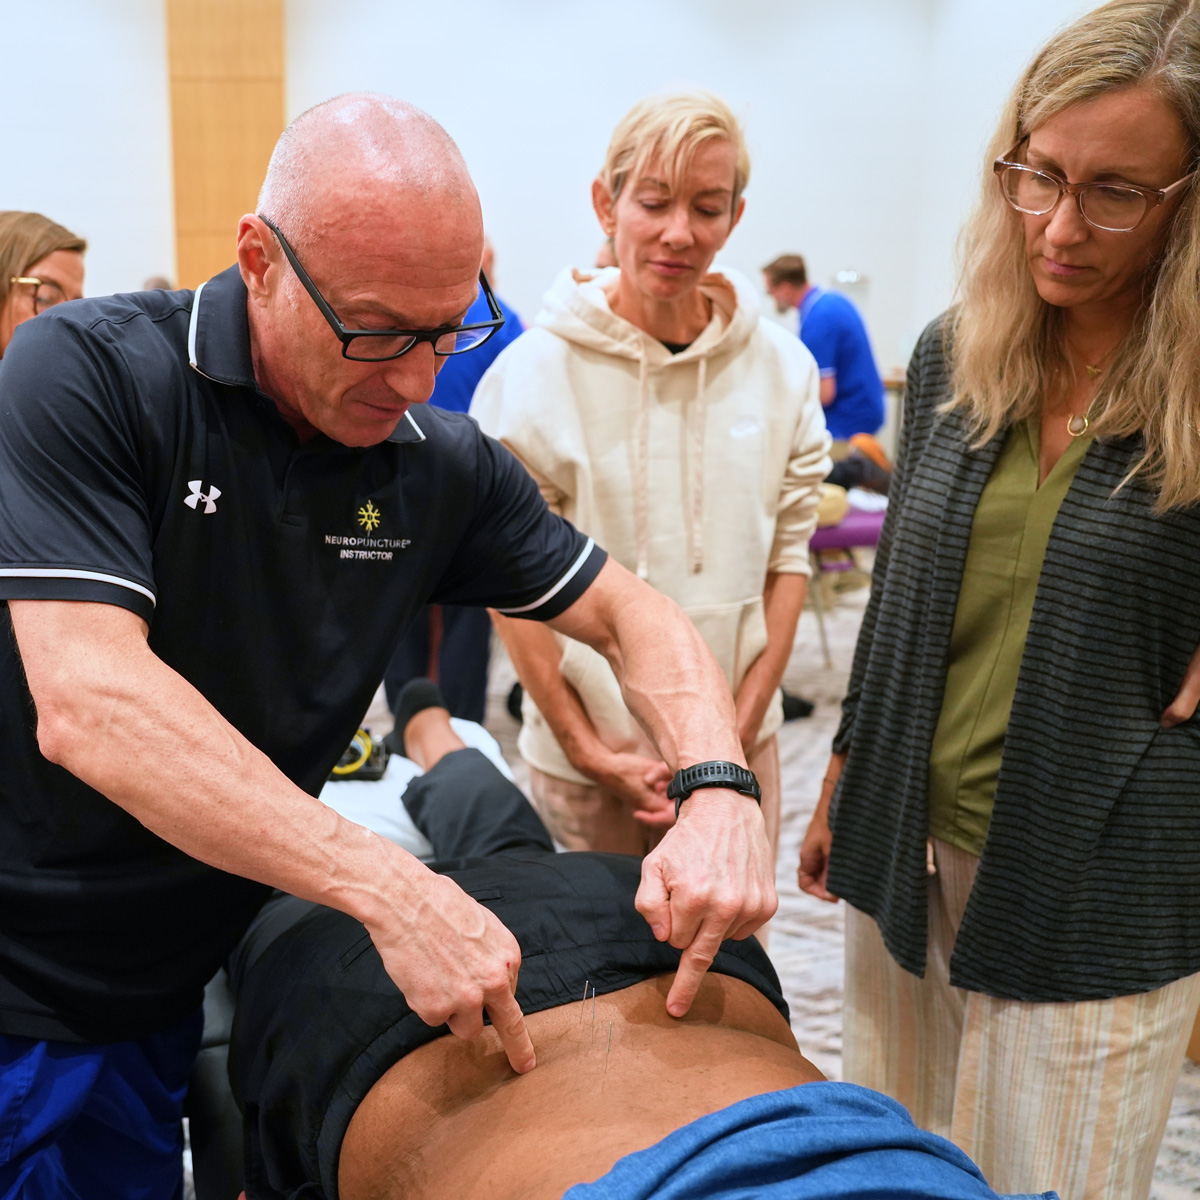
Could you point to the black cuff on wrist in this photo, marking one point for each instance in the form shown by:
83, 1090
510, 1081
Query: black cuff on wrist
716, 773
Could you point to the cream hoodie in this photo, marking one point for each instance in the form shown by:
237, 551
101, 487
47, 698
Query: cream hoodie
697, 470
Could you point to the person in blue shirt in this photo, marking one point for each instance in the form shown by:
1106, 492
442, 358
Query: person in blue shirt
459, 375
450, 642
833, 330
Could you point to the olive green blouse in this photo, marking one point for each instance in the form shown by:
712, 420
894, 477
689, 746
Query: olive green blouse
1004, 561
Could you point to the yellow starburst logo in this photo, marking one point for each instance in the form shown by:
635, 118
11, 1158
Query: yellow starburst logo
368, 517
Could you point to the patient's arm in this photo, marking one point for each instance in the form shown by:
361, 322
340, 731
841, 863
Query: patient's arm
451, 1119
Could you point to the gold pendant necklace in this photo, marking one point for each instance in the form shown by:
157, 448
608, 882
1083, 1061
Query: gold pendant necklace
1077, 423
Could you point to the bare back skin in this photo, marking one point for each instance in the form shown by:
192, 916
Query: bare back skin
452, 1119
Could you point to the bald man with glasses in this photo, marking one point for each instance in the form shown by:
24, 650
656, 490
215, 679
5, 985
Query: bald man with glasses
220, 511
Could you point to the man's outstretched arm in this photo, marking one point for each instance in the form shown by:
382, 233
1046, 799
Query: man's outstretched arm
712, 876
102, 696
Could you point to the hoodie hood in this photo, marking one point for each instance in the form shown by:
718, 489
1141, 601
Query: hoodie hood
576, 309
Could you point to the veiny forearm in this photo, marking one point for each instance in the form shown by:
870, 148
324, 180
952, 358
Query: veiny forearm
535, 656
713, 875
103, 697
783, 600
669, 679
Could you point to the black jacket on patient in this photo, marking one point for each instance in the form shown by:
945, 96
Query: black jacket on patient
319, 1022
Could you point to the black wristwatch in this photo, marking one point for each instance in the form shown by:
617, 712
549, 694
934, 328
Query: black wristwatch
712, 774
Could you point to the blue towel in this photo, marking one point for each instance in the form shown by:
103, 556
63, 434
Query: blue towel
819, 1141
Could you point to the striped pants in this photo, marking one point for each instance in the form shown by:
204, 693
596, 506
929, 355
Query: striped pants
1072, 1096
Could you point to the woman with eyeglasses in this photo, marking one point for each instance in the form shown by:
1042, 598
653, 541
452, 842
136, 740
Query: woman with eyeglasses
41, 265
1012, 809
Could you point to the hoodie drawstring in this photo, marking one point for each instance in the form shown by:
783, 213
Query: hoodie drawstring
693, 472
641, 503
695, 420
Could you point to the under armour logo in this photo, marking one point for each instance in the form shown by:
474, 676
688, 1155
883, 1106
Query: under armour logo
210, 499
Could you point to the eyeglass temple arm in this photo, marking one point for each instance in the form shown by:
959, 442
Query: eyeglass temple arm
327, 312
1167, 191
493, 304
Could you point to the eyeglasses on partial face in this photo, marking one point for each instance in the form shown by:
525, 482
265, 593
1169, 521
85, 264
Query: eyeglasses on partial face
380, 345
46, 293
1114, 207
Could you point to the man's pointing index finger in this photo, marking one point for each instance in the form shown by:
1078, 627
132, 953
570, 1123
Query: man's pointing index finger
509, 1023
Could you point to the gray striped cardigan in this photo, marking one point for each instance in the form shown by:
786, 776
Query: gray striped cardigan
1089, 884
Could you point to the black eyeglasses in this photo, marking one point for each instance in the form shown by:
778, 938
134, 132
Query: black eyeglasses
380, 345
1115, 207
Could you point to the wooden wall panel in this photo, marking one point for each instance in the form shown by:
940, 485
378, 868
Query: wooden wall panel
226, 61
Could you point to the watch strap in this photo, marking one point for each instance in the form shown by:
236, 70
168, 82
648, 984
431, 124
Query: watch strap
716, 773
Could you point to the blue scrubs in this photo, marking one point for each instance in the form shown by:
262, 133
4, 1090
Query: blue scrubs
79, 1121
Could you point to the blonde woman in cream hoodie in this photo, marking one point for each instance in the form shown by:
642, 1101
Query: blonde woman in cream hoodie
661, 415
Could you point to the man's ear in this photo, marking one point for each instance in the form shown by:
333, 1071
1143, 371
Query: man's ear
254, 250
603, 203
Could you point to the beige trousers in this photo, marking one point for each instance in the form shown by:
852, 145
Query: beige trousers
586, 817
1072, 1097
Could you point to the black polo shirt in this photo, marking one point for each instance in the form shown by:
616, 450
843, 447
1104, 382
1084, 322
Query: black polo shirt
140, 466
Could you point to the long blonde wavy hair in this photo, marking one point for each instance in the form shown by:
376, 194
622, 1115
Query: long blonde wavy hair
1006, 346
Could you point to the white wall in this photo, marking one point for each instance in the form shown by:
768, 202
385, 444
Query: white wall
867, 120
87, 130
977, 51
531, 90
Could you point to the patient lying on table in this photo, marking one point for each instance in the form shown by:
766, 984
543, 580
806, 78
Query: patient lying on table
346, 1093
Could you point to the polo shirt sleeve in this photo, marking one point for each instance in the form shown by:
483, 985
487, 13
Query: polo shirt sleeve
74, 523
821, 334
517, 556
